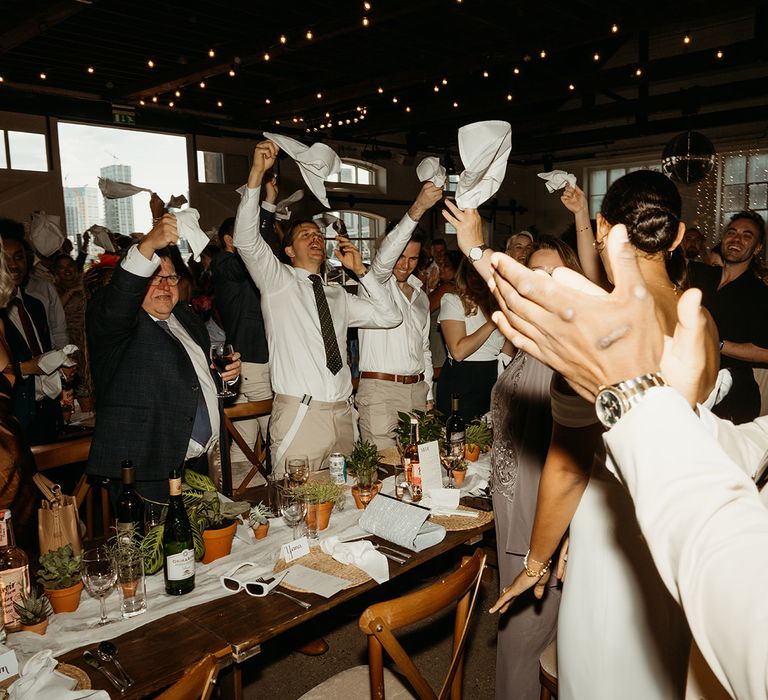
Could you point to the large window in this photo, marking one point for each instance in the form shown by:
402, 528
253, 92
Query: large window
600, 179
355, 173
744, 184
363, 230
23, 150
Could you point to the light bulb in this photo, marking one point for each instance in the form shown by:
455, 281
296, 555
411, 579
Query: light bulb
43, 76
542, 53
141, 102
202, 84
571, 86
327, 115
154, 99
268, 101
394, 99
687, 39
367, 6
219, 103
614, 28
151, 63
266, 56
365, 22
516, 70
638, 72
177, 93
444, 81
436, 88
455, 104
407, 109
211, 53
309, 34
380, 90
277, 122
231, 72
719, 54
596, 56
90, 69
319, 95
283, 39
485, 73
170, 104
509, 97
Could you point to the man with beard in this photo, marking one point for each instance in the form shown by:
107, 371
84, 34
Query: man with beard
693, 245
738, 302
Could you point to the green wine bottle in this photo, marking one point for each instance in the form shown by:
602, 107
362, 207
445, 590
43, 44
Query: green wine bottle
178, 547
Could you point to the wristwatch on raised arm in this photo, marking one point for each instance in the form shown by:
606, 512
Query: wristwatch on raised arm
476, 252
614, 402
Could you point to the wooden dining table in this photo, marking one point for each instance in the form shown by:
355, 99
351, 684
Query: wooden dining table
235, 627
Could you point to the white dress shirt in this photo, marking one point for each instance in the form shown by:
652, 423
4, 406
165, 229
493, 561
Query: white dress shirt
135, 263
452, 309
296, 349
404, 349
43, 290
707, 531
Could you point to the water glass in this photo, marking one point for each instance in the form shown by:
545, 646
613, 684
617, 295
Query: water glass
293, 509
402, 485
310, 520
132, 586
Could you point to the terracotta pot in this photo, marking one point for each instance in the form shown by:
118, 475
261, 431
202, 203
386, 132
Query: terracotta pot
472, 452
218, 542
375, 488
65, 599
39, 628
320, 514
458, 476
261, 531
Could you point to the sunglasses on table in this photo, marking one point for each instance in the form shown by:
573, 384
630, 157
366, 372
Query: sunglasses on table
257, 589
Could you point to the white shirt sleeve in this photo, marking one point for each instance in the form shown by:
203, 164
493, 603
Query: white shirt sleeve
746, 444
391, 249
707, 531
377, 309
429, 370
135, 263
451, 308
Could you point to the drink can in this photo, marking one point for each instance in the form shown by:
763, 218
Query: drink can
337, 466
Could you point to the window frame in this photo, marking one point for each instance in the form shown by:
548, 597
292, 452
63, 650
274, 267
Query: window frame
611, 170
723, 213
373, 239
377, 175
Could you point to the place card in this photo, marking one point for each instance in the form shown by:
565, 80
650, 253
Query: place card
431, 469
295, 550
300, 576
9, 666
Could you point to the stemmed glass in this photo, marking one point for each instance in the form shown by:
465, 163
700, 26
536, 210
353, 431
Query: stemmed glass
221, 356
293, 508
99, 576
298, 470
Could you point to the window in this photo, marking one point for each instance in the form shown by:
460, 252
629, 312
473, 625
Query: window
600, 179
222, 168
363, 230
744, 184
23, 150
354, 173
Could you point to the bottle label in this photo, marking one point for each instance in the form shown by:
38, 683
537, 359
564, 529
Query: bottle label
13, 582
180, 566
175, 487
3, 534
416, 488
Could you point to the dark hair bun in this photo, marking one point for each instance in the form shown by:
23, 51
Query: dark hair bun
649, 205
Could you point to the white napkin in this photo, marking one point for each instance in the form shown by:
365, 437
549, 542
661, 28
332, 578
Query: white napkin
327, 221
100, 236
45, 233
112, 189
361, 553
484, 148
316, 162
282, 208
430, 169
300, 576
39, 681
53, 359
557, 179
189, 228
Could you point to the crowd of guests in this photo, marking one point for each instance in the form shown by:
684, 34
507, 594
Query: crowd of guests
428, 329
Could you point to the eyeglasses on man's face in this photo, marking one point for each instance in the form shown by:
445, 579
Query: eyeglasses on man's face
171, 280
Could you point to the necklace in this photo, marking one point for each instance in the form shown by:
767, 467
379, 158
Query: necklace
674, 287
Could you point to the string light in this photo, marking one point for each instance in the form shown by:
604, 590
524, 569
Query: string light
485, 73
340, 122
516, 70
380, 90
283, 39
177, 93
151, 63
542, 54
2, 79
362, 116
322, 126
614, 28
90, 69
348, 121
309, 34
266, 56
154, 98
455, 104
687, 39
231, 72
43, 76
327, 115
571, 86
638, 72
355, 120
170, 104
219, 103
719, 54
211, 53
394, 100
141, 102
277, 122
365, 21
367, 6
596, 56
202, 84
268, 101
436, 88
319, 95
509, 97
295, 120
407, 109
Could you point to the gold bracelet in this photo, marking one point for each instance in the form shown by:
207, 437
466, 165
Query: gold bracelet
535, 574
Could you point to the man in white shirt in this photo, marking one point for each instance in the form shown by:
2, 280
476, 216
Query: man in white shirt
699, 512
396, 363
306, 322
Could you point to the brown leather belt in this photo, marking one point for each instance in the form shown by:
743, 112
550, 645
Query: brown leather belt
400, 378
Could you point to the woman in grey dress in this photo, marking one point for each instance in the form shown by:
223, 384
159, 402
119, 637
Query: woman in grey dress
522, 427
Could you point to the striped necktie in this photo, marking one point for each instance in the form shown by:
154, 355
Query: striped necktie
332, 355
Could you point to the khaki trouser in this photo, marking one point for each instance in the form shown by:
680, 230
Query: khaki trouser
378, 402
327, 427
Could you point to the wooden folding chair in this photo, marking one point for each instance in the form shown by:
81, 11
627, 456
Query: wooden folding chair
197, 682
380, 621
233, 413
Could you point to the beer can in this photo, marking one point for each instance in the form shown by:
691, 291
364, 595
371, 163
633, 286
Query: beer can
337, 466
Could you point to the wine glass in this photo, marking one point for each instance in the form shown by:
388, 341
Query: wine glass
448, 460
99, 576
298, 470
221, 356
293, 508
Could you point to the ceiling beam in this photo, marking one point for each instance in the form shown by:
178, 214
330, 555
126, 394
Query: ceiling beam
37, 21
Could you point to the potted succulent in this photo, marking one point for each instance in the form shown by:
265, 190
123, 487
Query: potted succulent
478, 438
258, 519
59, 575
33, 611
322, 497
459, 472
430, 427
364, 464
216, 520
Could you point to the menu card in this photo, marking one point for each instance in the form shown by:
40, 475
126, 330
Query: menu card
431, 470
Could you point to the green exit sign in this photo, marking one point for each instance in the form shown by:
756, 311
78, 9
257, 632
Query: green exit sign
126, 117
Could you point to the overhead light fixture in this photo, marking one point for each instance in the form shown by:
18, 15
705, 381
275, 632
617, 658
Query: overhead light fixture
231, 72
90, 69
202, 84
596, 56
283, 39
211, 53
309, 34
485, 74
614, 28
151, 63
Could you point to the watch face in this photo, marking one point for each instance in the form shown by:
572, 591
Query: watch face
609, 407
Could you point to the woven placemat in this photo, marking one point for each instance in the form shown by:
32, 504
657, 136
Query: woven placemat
320, 561
458, 522
391, 456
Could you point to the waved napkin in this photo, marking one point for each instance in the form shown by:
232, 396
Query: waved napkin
101, 237
189, 228
360, 553
112, 189
557, 179
39, 681
53, 359
282, 208
316, 162
430, 169
45, 233
484, 148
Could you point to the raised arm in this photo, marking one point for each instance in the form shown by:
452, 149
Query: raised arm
392, 246
575, 201
265, 269
469, 234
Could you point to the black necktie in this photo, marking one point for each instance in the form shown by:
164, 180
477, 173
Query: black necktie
332, 355
201, 428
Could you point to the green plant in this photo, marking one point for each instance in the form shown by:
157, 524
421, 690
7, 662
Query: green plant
430, 426
203, 503
125, 544
364, 462
59, 568
478, 433
460, 466
321, 492
33, 608
259, 514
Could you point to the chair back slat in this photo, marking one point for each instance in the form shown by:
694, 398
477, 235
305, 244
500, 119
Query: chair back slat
233, 413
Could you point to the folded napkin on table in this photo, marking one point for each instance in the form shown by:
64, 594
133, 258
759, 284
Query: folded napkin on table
189, 228
446, 502
557, 179
318, 582
361, 553
316, 162
484, 148
430, 169
38, 680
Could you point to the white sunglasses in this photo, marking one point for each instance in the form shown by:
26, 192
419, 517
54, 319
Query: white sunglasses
257, 589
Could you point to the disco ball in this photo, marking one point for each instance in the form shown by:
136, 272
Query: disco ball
688, 158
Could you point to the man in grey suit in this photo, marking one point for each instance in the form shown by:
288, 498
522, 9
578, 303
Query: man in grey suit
155, 392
